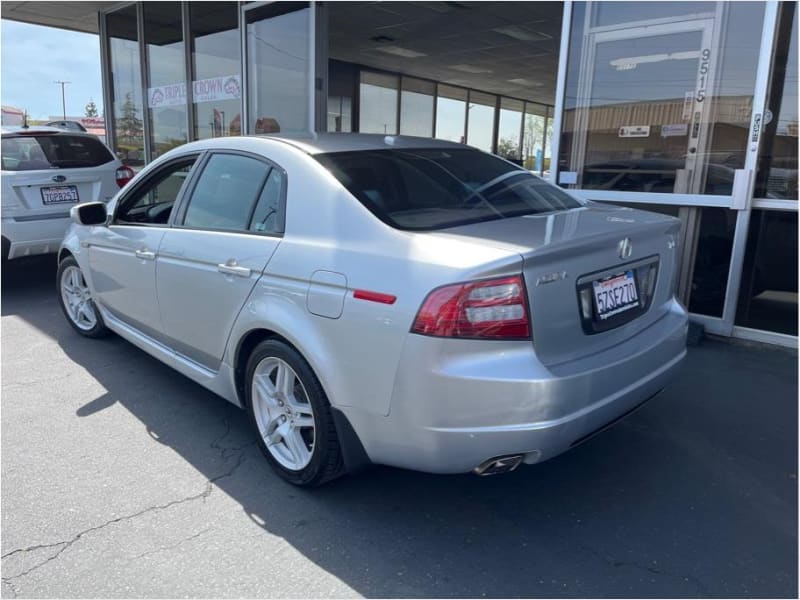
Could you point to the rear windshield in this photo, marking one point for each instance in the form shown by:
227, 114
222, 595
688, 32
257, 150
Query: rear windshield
34, 152
435, 189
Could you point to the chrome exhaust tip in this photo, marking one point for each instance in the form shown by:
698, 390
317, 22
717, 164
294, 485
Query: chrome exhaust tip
500, 464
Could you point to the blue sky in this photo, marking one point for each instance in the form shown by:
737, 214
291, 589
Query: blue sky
33, 57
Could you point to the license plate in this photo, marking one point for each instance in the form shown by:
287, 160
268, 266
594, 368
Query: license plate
59, 193
615, 295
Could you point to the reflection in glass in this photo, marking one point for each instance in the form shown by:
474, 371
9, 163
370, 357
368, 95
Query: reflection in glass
416, 107
378, 103
534, 138
126, 91
663, 108
341, 82
509, 128
451, 106
278, 68
777, 166
712, 261
768, 292
480, 123
166, 93
217, 71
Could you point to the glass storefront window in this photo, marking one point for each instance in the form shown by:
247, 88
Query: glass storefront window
416, 107
278, 67
126, 89
451, 106
341, 83
509, 129
378, 103
768, 292
659, 95
777, 165
534, 137
712, 261
166, 91
480, 120
217, 81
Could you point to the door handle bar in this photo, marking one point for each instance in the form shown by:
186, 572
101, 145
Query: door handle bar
233, 269
145, 255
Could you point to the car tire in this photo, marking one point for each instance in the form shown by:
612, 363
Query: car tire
284, 398
76, 301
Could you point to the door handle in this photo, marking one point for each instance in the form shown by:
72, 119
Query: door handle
231, 268
145, 254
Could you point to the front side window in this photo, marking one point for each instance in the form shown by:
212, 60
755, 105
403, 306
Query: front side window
435, 188
31, 153
227, 192
152, 202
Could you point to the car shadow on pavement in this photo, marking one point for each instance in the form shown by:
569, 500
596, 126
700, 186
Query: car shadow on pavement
681, 499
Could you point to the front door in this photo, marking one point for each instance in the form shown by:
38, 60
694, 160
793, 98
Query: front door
224, 234
642, 103
122, 256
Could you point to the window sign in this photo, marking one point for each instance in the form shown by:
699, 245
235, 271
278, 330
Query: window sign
217, 88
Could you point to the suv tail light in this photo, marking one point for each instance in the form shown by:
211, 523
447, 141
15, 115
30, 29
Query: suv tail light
486, 309
124, 175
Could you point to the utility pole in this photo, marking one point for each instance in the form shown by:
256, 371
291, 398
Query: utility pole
63, 102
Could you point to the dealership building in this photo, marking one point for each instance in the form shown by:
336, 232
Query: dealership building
685, 108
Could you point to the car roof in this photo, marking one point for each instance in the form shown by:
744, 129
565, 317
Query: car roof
34, 129
346, 142
320, 143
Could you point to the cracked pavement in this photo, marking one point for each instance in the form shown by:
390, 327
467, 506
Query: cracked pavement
121, 478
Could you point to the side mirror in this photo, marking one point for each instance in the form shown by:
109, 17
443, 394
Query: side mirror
89, 213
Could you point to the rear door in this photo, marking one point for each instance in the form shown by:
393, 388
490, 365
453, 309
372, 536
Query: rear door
122, 256
224, 234
47, 172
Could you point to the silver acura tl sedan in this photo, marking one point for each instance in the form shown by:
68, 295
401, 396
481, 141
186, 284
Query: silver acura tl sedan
383, 299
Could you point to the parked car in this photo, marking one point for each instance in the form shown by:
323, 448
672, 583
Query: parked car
369, 299
44, 171
72, 125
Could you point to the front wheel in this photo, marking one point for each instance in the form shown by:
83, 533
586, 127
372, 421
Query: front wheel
291, 415
76, 300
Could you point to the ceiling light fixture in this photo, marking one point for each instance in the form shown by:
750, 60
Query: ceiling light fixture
400, 51
522, 34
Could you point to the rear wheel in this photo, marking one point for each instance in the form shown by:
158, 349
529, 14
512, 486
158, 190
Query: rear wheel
76, 300
291, 415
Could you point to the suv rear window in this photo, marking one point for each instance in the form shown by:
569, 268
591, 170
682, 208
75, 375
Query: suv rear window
431, 189
34, 152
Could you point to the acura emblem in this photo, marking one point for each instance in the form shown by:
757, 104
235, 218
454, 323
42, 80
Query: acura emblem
625, 248
59, 178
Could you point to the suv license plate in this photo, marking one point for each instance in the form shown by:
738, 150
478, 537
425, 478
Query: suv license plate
59, 193
615, 294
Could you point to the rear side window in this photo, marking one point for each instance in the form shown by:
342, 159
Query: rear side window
435, 188
235, 193
35, 152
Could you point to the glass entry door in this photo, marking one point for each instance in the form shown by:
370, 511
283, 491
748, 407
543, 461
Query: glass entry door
279, 65
643, 110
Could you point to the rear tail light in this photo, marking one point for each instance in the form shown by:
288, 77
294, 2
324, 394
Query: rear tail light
487, 309
124, 175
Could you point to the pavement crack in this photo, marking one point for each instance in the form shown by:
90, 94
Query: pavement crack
172, 546
65, 544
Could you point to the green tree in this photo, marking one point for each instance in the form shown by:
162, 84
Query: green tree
91, 108
508, 148
129, 125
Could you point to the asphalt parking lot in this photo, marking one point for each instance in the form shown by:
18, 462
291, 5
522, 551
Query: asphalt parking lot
121, 478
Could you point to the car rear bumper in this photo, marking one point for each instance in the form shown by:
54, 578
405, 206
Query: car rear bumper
458, 403
31, 235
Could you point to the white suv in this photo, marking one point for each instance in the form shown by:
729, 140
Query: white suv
45, 171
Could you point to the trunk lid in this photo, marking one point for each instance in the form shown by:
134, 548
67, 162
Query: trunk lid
564, 253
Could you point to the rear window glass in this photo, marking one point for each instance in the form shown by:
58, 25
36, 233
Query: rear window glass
31, 153
435, 188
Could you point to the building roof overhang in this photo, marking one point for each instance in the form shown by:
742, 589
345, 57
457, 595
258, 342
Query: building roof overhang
74, 16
